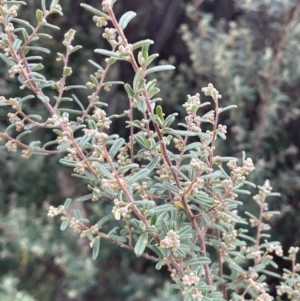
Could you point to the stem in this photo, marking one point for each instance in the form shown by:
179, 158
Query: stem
187, 209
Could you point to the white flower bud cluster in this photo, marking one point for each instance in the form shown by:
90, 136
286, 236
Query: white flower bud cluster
171, 241
277, 249
192, 104
100, 21
193, 188
125, 51
123, 157
10, 10
191, 279
229, 238
178, 143
222, 128
141, 189
121, 209
198, 165
238, 171
55, 120
11, 146
100, 117
164, 173
211, 91
79, 168
110, 34
74, 224
52, 211
14, 119
96, 194
16, 69
293, 251
257, 286
26, 153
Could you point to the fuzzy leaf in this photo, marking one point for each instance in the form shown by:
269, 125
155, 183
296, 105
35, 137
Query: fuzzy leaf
160, 68
96, 247
84, 198
116, 147
126, 18
94, 10
141, 244
138, 176
64, 225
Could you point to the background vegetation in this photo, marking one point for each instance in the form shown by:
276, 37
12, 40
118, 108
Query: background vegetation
248, 49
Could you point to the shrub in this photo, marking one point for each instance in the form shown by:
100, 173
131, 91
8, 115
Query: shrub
173, 199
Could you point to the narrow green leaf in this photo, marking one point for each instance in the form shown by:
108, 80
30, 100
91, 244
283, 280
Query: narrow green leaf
103, 220
78, 102
162, 208
137, 79
170, 187
22, 22
141, 105
145, 50
7, 60
114, 82
234, 266
185, 133
138, 176
140, 44
77, 214
17, 44
109, 53
126, 18
118, 238
159, 265
36, 67
153, 163
67, 162
95, 64
116, 147
43, 98
44, 35
35, 48
160, 68
67, 203
141, 244
94, 10
160, 113
140, 140
153, 92
92, 124
228, 108
127, 167
151, 58
198, 261
39, 15
129, 90
104, 170
157, 251
44, 5
22, 135
96, 247
67, 88
51, 26
75, 48
84, 198
64, 225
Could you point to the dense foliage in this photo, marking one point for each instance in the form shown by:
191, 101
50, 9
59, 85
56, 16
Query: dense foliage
170, 189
